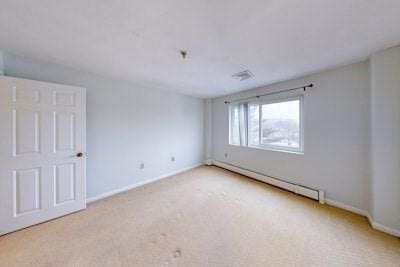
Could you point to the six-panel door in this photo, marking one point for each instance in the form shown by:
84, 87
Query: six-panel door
42, 129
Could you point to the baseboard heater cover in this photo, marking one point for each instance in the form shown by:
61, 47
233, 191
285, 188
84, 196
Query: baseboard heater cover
297, 189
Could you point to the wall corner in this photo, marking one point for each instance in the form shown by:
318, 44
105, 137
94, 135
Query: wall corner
208, 129
1, 63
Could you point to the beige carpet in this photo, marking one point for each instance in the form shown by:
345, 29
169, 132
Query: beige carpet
204, 217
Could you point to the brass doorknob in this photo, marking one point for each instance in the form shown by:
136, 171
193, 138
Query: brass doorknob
79, 154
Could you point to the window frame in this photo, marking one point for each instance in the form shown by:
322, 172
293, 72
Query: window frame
260, 103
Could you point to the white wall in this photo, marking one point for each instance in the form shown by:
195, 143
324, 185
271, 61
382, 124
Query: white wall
385, 137
208, 129
127, 125
1, 63
336, 127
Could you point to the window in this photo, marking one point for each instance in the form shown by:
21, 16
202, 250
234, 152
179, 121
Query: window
238, 122
268, 124
235, 125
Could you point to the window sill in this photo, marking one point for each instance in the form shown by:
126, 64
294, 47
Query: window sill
278, 150
271, 149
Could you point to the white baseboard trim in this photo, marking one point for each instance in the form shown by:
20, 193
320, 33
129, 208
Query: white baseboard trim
208, 162
383, 228
347, 207
374, 224
132, 186
289, 187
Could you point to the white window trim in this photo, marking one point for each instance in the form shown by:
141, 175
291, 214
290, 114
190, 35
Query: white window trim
300, 149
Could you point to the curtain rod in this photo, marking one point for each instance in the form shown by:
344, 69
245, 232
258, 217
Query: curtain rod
286, 90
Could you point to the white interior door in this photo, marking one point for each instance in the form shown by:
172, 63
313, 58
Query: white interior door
42, 133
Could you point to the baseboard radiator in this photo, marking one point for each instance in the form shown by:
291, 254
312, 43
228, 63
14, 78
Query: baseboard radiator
295, 188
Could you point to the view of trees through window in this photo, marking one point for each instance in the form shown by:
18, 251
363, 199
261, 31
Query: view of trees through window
280, 124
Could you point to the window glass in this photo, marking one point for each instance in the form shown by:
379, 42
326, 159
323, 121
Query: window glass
254, 124
281, 124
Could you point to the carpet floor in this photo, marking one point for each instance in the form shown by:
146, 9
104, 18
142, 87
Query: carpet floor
203, 217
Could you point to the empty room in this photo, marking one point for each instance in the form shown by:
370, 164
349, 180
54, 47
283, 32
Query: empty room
200, 133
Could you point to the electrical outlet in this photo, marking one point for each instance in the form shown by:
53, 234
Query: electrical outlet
141, 166
173, 159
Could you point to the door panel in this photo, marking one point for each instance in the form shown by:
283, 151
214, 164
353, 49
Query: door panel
64, 98
64, 181
64, 131
26, 191
42, 128
25, 95
26, 131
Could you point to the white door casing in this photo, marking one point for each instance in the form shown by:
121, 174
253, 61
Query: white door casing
42, 130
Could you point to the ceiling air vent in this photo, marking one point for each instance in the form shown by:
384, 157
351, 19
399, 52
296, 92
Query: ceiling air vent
243, 75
